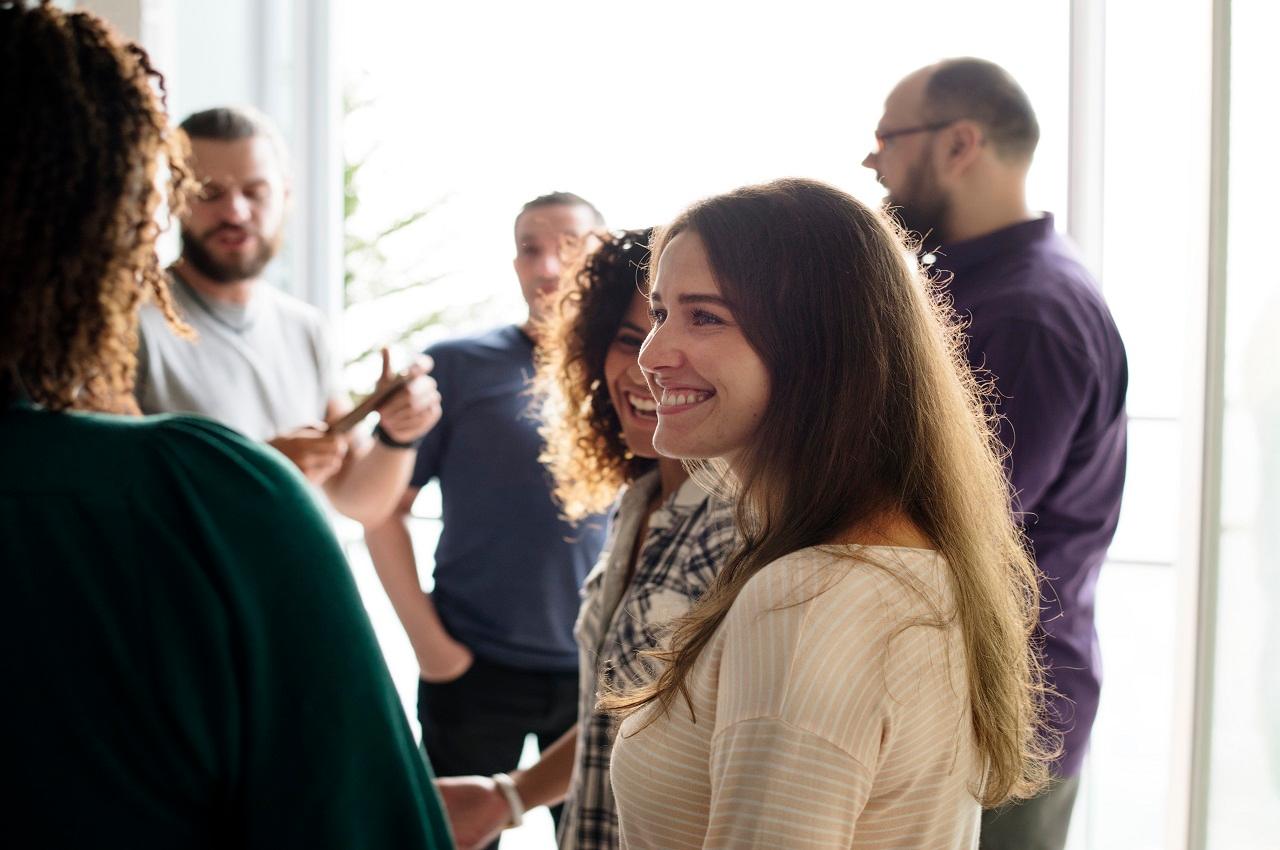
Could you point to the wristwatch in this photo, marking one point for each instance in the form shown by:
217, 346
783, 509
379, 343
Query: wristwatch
391, 442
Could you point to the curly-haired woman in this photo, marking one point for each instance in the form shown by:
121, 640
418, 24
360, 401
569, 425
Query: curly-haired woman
667, 539
861, 673
186, 661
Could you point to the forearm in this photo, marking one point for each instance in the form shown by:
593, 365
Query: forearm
547, 782
371, 482
391, 550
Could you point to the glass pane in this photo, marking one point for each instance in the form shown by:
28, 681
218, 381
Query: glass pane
1122, 801
1153, 259
641, 110
1244, 781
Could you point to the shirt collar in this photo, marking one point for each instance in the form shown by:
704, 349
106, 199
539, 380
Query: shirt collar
237, 318
959, 257
687, 498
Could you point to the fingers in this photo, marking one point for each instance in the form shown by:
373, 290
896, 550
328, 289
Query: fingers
387, 374
316, 453
319, 468
417, 394
413, 412
421, 365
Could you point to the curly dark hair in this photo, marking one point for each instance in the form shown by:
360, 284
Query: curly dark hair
80, 164
585, 452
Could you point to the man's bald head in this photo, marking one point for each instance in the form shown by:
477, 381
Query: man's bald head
984, 93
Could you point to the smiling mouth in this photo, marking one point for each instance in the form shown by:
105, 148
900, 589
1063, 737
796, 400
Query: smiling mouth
642, 406
680, 400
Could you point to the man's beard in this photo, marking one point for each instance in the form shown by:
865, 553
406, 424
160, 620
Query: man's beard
219, 271
922, 208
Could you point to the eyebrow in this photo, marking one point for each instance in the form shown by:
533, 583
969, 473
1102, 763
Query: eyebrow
695, 298
634, 327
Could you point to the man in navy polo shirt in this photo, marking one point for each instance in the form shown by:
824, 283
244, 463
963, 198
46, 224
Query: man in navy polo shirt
953, 149
494, 640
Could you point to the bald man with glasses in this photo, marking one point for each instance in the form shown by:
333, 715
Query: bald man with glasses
953, 149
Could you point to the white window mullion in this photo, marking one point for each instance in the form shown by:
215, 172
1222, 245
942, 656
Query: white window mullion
1206, 626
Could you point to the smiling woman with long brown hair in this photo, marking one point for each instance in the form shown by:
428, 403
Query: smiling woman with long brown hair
861, 672
187, 663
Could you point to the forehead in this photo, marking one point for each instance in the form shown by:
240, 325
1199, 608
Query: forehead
553, 221
683, 269
235, 161
906, 102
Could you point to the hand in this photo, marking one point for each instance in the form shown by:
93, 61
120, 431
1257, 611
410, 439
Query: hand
317, 454
476, 808
414, 410
448, 661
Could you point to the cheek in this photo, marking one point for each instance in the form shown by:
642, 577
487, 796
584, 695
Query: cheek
616, 363
754, 382
271, 214
196, 216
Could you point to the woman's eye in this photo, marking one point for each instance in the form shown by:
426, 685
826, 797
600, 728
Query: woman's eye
702, 317
657, 315
629, 341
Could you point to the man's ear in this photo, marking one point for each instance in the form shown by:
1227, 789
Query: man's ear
962, 144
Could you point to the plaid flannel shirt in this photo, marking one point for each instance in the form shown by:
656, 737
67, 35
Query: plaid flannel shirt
688, 538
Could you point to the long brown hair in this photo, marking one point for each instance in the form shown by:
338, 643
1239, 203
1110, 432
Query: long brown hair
825, 292
85, 141
585, 452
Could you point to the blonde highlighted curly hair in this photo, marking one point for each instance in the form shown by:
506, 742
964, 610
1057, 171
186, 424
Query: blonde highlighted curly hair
585, 452
84, 166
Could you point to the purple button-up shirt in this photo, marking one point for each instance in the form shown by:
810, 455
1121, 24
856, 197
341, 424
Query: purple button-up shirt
1038, 324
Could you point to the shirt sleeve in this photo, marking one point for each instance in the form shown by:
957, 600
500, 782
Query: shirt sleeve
774, 785
1044, 388
321, 753
431, 450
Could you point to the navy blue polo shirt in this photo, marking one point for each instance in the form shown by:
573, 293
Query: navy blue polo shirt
1037, 323
507, 567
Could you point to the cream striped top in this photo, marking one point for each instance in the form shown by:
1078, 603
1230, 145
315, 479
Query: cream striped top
820, 721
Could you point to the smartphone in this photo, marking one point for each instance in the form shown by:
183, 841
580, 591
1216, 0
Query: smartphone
370, 403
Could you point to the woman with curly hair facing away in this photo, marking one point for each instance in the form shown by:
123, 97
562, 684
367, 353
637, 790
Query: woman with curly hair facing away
666, 541
860, 674
188, 662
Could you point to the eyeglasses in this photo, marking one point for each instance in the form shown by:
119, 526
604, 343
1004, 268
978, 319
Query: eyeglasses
883, 138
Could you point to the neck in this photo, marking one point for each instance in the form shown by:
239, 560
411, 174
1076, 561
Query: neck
989, 205
671, 474
889, 528
237, 292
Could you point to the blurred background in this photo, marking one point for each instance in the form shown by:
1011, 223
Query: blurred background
417, 130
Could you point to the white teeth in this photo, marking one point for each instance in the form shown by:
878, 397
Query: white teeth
642, 403
675, 399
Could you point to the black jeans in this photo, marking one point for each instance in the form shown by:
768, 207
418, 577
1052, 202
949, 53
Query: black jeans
477, 723
1037, 824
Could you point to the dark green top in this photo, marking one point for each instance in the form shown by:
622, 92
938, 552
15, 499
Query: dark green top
186, 662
